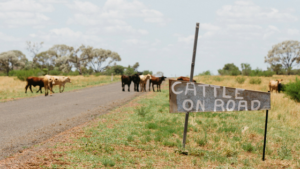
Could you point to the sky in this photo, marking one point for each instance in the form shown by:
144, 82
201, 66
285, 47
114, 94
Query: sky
159, 34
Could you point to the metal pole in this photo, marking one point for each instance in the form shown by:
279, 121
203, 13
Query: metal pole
191, 79
265, 137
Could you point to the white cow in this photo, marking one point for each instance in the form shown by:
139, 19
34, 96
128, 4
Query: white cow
61, 81
143, 81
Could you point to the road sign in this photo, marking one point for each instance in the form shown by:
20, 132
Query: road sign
198, 97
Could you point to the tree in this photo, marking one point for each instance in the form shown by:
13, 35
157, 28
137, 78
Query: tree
136, 66
145, 72
229, 69
34, 47
12, 59
159, 73
100, 56
277, 68
246, 69
286, 53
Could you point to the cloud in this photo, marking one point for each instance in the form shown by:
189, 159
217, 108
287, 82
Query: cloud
248, 12
16, 13
293, 31
112, 17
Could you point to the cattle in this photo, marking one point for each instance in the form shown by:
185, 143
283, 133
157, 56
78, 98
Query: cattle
281, 87
273, 85
61, 81
185, 79
48, 84
156, 81
136, 80
126, 80
34, 81
143, 81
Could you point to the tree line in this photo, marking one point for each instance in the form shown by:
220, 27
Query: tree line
62, 59
283, 58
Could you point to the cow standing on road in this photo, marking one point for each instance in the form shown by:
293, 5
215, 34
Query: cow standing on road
126, 80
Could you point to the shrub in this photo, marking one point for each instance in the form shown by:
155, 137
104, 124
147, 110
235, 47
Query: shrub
240, 80
292, 90
255, 81
54, 72
23, 74
205, 73
75, 73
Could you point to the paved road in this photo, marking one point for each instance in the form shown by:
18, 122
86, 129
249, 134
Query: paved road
29, 121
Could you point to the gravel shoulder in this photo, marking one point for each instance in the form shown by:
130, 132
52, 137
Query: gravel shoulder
26, 122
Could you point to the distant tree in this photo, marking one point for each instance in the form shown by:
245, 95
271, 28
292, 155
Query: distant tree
286, 53
12, 60
101, 56
34, 47
116, 70
229, 69
246, 69
129, 71
206, 73
159, 73
136, 66
276, 68
145, 72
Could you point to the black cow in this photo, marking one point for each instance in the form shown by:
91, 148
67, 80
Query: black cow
126, 80
34, 81
136, 80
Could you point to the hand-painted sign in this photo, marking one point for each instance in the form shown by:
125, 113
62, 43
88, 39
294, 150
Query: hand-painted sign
198, 97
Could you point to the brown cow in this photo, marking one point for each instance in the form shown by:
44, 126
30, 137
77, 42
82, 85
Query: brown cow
185, 79
126, 80
34, 81
48, 84
156, 81
273, 85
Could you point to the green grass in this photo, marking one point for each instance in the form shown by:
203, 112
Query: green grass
147, 135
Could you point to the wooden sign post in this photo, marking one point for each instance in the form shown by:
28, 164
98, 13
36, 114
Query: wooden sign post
189, 97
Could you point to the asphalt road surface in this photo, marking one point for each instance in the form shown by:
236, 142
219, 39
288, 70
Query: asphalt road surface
26, 122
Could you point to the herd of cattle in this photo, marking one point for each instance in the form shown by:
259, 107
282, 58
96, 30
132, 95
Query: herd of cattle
47, 82
139, 80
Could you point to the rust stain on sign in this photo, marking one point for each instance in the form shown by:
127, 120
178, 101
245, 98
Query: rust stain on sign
198, 97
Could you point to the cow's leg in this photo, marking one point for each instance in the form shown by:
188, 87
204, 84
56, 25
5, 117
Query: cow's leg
30, 88
59, 88
150, 85
63, 88
26, 88
123, 86
39, 89
153, 87
137, 87
128, 87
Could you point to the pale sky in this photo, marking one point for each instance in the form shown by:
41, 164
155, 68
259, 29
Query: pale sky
158, 34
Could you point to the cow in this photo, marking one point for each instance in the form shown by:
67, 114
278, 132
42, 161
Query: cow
48, 84
61, 81
185, 79
143, 81
273, 85
156, 81
281, 87
126, 80
34, 81
136, 80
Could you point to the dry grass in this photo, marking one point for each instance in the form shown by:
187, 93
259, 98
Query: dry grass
12, 88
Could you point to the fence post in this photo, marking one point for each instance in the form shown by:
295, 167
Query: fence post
112, 77
265, 136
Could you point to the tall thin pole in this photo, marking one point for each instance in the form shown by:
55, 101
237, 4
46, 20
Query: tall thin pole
265, 136
191, 79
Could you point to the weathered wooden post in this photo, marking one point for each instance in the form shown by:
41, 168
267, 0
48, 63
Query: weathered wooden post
112, 77
191, 79
265, 136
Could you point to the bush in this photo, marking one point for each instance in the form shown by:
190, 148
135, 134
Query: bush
205, 73
54, 72
292, 90
240, 80
218, 79
255, 81
75, 73
23, 74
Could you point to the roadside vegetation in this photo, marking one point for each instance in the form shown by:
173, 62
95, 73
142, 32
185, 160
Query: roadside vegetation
12, 88
143, 134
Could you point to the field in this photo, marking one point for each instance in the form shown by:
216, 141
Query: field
143, 134
12, 88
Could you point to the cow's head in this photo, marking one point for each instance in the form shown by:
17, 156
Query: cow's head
163, 78
149, 76
67, 79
